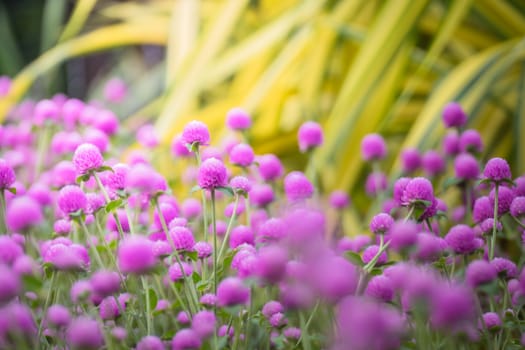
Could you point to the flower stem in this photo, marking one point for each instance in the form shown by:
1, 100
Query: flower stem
3, 221
215, 253
106, 197
304, 331
228, 229
90, 242
495, 224
148, 309
382, 247
305, 338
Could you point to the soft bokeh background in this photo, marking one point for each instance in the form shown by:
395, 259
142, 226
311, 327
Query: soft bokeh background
355, 66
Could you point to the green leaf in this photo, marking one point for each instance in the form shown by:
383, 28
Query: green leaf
12, 190
83, 178
114, 204
48, 269
195, 277
354, 258
31, 282
152, 299
226, 190
195, 188
203, 285
194, 256
104, 168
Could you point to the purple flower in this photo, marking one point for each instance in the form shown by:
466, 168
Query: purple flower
182, 238
505, 198
7, 175
480, 272
483, 209
203, 249
470, 141
380, 287
58, 316
429, 247
147, 137
278, 320
270, 167
105, 283
97, 138
135, 255
261, 195
271, 262
399, 189
466, 167
71, 111
376, 182
452, 308
410, 160
87, 157
106, 121
462, 239
46, 110
371, 251
433, 163
241, 234
497, 170
272, 307
373, 147
115, 90
310, 135
150, 342
271, 230
203, 323
240, 184
517, 207
71, 257
84, 333
109, 309
519, 189
17, 323
186, 339
228, 211
381, 223
196, 132
212, 174
238, 119
492, 321
487, 226
211, 152
183, 318
22, 213
418, 189
178, 148
242, 155
505, 268
72, 199
10, 284
339, 199
10, 250
63, 173
297, 187
454, 116
176, 274
231, 291
292, 333
208, 299
403, 235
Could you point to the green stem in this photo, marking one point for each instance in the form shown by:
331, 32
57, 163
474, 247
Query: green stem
382, 247
148, 308
228, 229
307, 324
46, 304
305, 338
495, 224
3, 221
91, 245
203, 200
107, 199
215, 253
43, 142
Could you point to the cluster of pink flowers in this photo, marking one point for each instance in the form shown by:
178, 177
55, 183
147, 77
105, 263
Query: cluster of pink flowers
96, 251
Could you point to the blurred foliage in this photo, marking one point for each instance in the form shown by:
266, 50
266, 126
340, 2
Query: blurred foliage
356, 66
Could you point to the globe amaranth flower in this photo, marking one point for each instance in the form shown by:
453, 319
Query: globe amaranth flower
186, 339
517, 207
410, 160
480, 272
240, 235
10, 284
310, 135
454, 116
182, 238
505, 268
46, 110
381, 223
84, 333
297, 187
339, 199
175, 272
87, 157
373, 147
497, 170
106, 121
429, 247
483, 209
505, 198
208, 299
380, 287
232, 291
270, 167
135, 255
212, 174
452, 308
240, 184
470, 141
115, 90
271, 230
7, 175
272, 307
178, 147
450, 143
416, 190
403, 235
58, 316
196, 132
242, 155
376, 182
203, 323
238, 119
271, 263
491, 321
466, 167
203, 249
433, 163
147, 137
105, 283
22, 213
462, 239
371, 251
150, 342
72, 199
261, 195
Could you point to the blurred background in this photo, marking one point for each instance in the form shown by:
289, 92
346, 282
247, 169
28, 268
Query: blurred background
355, 66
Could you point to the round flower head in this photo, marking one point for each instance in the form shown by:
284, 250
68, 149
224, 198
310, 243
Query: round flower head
339, 199
410, 160
182, 238
240, 184
7, 175
186, 339
271, 263
376, 182
87, 157
203, 323
505, 198
238, 119
371, 251
517, 207
452, 308
71, 111
150, 342
433, 163
271, 230
242, 155
429, 247
211, 152
10, 284
483, 209
17, 323
519, 189
270, 167
147, 137
462, 239
175, 272
63, 173
231, 291
196, 132
480, 272
46, 110
399, 189
505, 268
497, 170
105, 283
403, 235
135, 255
380, 287
373, 147
381, 223
261, 195
310, 135
492, 321
208, 299
106, 121
22, 213
450, 143
297, 187
84, 333
191, 208
115, 90
183, 318
10, 250
272, 307
454, 116
470, 141
97, 138
333, 277
203, 249
72, 199
58, 316
418, 189
241, 234
178, 147
466, 167
212, 174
